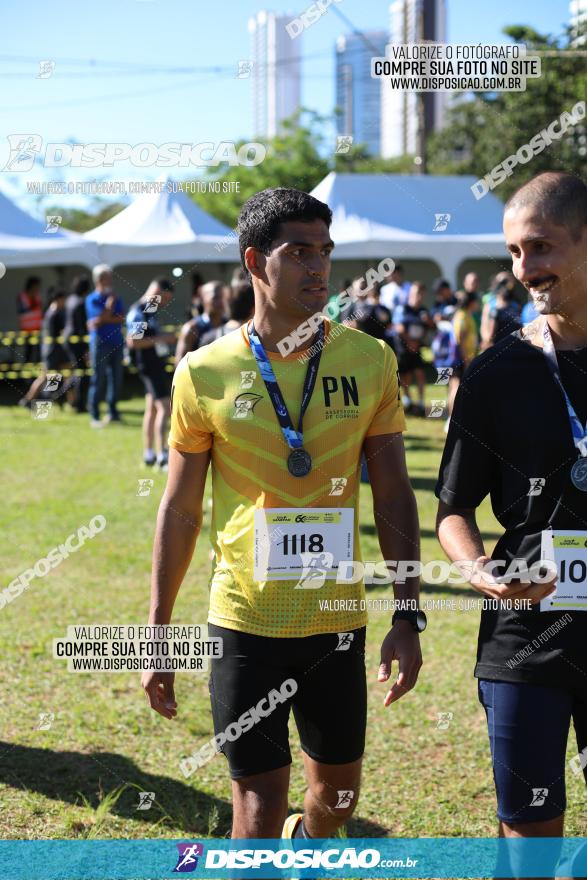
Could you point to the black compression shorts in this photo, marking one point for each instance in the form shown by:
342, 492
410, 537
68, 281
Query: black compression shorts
326, 687
157, 383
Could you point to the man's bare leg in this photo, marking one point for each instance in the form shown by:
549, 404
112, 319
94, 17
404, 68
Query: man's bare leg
548, 828
322, 816
259, 804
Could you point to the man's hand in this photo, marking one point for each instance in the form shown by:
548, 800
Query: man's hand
158, 687
401, 643
485, 584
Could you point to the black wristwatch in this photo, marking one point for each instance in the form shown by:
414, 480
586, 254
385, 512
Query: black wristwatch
418, 619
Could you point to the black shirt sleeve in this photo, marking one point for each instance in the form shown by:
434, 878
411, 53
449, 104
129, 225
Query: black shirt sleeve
469, 456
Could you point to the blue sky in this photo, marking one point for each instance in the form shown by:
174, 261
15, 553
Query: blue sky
124, 68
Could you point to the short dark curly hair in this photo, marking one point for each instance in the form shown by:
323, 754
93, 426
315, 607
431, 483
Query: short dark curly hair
262, 214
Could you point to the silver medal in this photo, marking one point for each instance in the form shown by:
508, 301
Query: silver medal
579, 474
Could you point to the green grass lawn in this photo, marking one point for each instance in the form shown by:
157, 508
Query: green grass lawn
81, 777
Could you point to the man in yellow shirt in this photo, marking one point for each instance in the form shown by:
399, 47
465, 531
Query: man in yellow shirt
284, 418
465, 327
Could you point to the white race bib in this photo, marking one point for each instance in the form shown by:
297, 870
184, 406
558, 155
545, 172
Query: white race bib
567, 549
286, 537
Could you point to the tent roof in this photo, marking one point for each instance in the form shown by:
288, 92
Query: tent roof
163, 226
403, 207
24, 242
376, 215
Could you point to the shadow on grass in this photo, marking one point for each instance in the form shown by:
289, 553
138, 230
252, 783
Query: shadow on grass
424, 484
424, 444
76, 778
87, 779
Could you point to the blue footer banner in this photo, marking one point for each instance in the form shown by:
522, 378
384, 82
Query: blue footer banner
339, 857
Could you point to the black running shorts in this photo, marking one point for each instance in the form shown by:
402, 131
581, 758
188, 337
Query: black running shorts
258, 679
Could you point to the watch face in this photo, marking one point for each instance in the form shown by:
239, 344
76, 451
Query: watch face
421, 621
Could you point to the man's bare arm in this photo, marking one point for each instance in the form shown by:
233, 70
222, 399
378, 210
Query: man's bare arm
151, 341
178, 525
458, 532
188, 340
394, 505
461, 540
396, 520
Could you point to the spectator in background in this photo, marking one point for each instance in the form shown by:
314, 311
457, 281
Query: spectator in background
149, 351
471, 284
333, 309
75, 343
396, 290
53, 354
213, 301
447, 354
501, 316
443, 299
239, 279
411, 323
29, 310
367, 313
241, 308
496, 283
196, 307
465, 328
105, 315
529, 313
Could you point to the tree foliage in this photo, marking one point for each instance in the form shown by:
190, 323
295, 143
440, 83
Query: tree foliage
485, 130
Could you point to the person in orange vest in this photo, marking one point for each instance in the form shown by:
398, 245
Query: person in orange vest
29, 309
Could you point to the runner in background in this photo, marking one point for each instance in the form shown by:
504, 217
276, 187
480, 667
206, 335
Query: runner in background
502, 314
213, 315
149, 350
465, 326
241, 307
412, 323
29, 310
53, 355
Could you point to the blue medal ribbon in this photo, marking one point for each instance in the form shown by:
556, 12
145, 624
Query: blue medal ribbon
579, 432
293, 438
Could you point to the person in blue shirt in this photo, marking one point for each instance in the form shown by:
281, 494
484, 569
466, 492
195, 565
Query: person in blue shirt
149, 349
528, 313
105, 314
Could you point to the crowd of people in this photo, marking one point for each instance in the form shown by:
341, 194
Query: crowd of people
456, 325
88, 335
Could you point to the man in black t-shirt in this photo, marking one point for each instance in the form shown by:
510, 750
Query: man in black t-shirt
74, 335
366, 313
149, 350
511, 437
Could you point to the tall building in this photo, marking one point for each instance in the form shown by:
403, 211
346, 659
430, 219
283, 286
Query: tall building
358, 95
411, 21
276, 72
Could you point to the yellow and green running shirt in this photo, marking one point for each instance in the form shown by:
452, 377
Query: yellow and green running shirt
220, 402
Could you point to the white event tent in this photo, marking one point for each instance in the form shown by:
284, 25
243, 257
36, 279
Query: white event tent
163, 227
393, 215
25, 243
